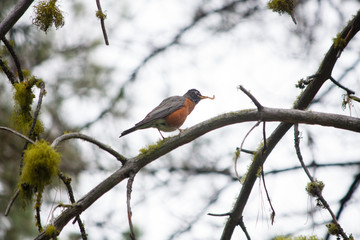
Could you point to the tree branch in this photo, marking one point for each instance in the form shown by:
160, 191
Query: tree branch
108, 149
239, 150
7, 72
102, 17
348, 91
255, 101
128, 198
346, 199
67, 181
323, 73
317, 191
38, 107
12, 200
14, 16
136, 163
34, 120
17, 134
15, 58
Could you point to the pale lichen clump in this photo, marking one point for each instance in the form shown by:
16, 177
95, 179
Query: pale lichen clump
51, 231
315, 188
23, 97
41, 165
297, 238
150, 148
47, 13
339, 42
283, 6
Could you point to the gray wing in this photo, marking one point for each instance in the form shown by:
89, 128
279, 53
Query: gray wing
166, 107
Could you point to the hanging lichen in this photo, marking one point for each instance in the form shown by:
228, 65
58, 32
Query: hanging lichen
41, 165
22, 118
47, 13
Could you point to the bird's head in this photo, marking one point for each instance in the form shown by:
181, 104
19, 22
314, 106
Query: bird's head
195, 96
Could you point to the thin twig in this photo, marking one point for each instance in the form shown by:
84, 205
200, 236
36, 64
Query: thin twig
191, 222
248, 151
298, 152
17, 134
67, 181
15, 58
318, 191
264, 137
346, 199
339, 79
38, 107
268, 198
219, 214
37, 210
12, 200
348, 194
102, 21
255, 101
128, 197
354, 98
314, 165
348, 91
242, 143
7, 72
107, 148
242, 225
34, 120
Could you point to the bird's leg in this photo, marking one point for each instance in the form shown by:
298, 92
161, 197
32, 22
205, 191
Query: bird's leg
180, 130
161, 135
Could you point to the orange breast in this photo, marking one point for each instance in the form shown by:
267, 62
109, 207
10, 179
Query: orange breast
177, 118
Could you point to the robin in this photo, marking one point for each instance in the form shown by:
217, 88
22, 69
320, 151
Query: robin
170, 114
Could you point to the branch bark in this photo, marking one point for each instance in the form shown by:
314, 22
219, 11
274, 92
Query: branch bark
16, 13
133, 165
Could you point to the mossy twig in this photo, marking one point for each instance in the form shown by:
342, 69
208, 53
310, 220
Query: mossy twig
101, 15
128, 197
317, 186
67, 181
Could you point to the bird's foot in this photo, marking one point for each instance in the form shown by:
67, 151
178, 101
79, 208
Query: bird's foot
161, 135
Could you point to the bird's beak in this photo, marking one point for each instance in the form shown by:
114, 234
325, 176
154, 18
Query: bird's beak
204, 97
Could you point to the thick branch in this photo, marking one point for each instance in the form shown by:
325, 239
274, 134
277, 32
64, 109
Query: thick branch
14, 16
323, 73
133, 165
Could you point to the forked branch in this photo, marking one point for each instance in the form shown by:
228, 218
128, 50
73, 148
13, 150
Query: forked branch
136, 163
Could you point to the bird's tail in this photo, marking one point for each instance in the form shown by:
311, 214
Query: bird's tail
130, 130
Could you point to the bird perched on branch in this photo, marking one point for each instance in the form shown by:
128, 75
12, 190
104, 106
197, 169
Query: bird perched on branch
170, 114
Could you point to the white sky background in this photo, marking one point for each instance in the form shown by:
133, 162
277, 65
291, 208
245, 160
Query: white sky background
260, 54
